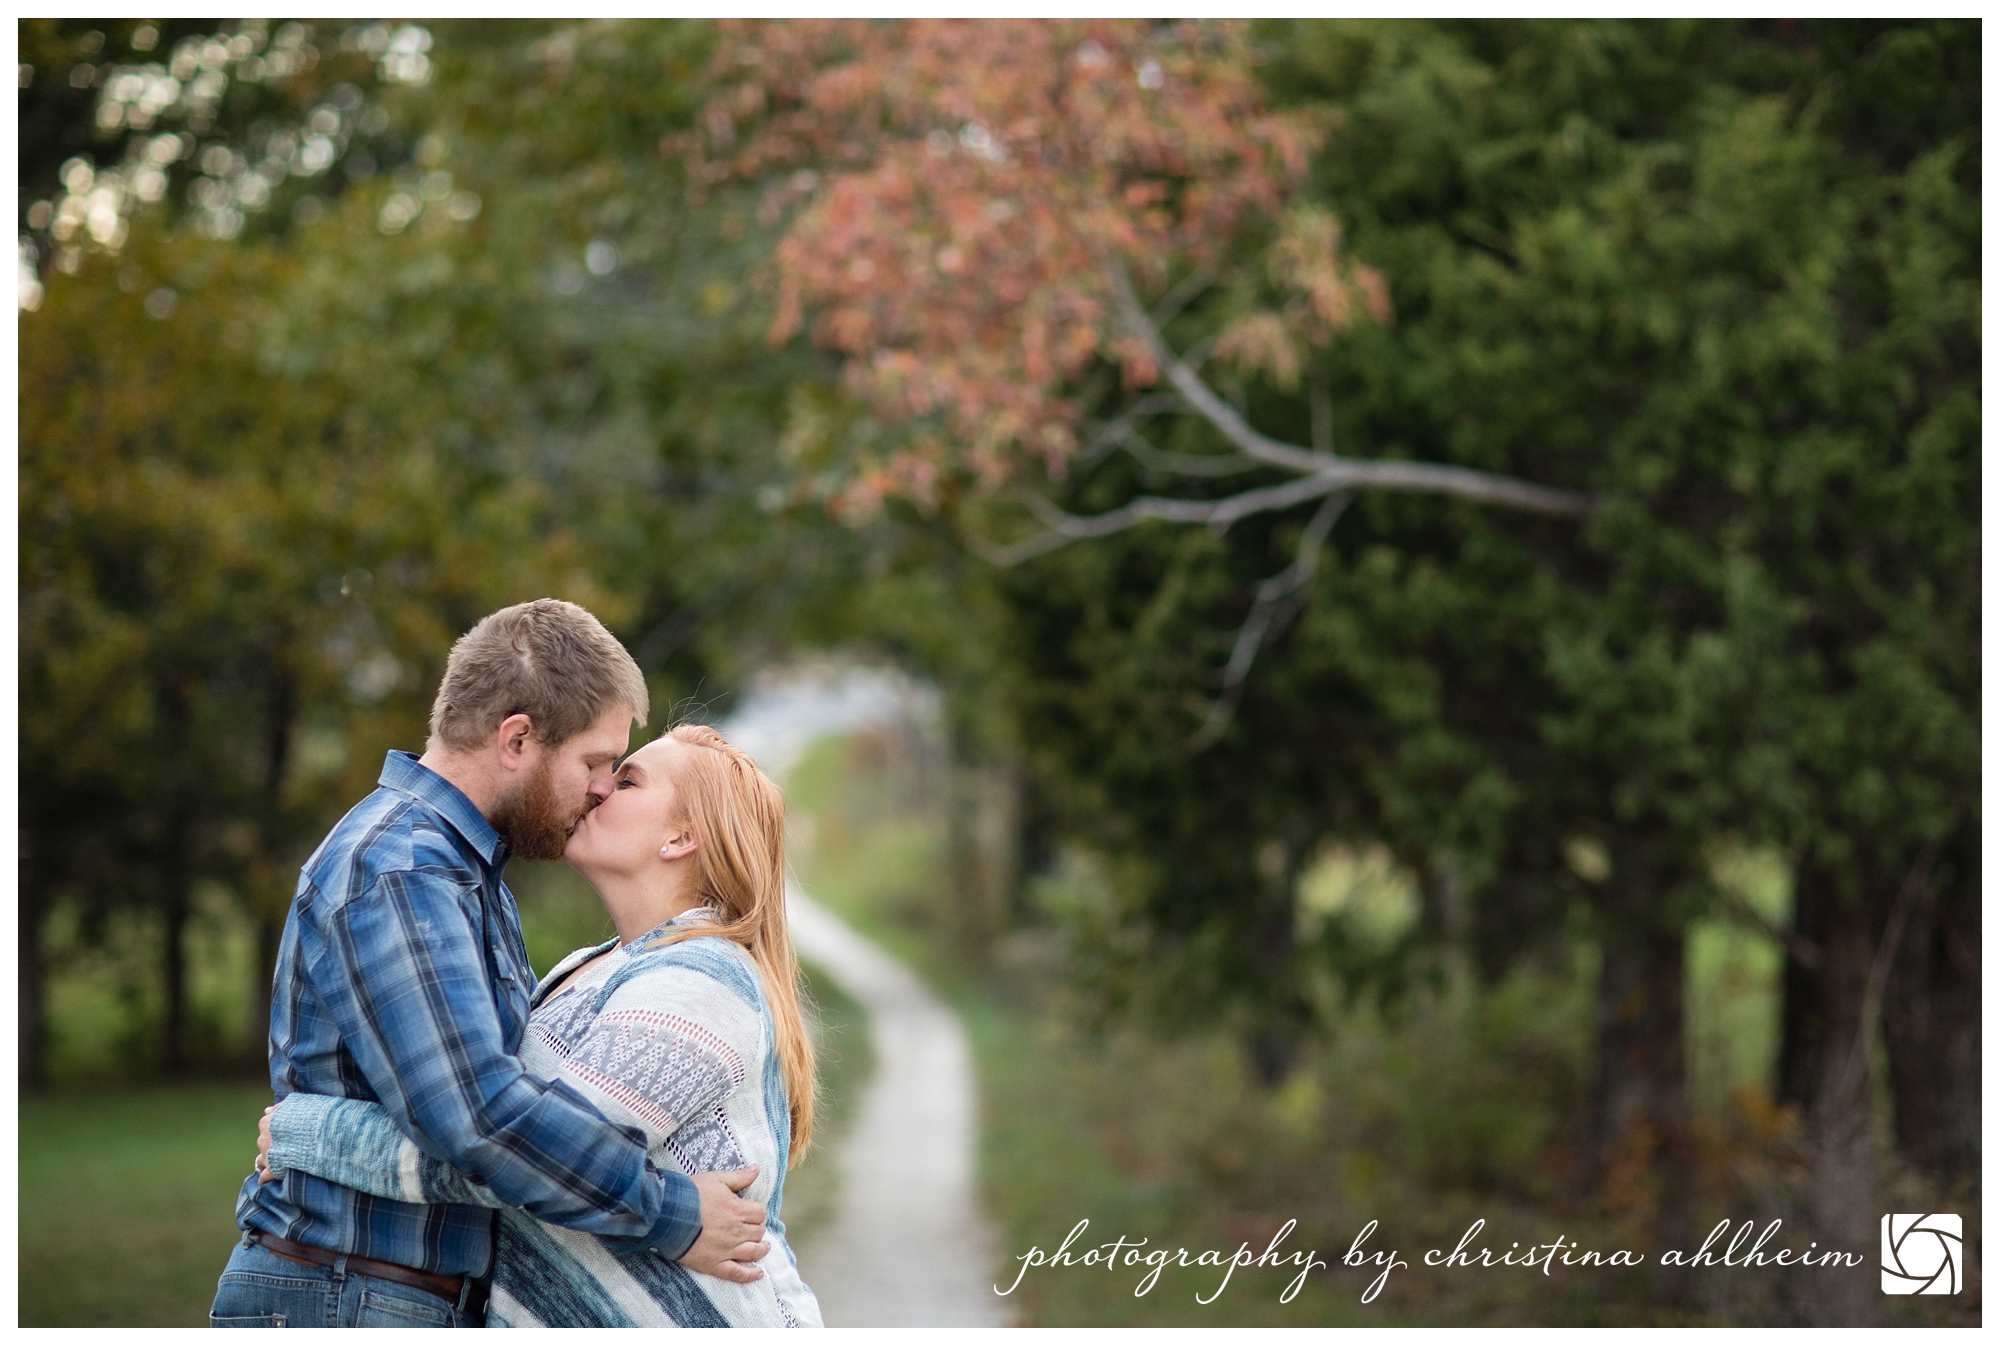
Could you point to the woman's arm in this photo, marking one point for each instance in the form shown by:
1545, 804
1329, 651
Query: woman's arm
666, 1046
357, 1144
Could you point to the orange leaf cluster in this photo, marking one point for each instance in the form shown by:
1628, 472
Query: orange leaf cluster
958, 188
1322, 288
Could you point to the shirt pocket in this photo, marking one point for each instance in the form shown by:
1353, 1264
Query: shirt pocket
510, 997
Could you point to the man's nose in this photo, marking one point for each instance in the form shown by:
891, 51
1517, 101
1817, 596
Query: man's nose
600, 787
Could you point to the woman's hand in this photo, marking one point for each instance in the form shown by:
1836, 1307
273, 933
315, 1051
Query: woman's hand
264, 1173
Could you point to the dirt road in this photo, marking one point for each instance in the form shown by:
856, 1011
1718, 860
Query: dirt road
907, 1246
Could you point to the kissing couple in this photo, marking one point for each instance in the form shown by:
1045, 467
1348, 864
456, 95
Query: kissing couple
457, 1145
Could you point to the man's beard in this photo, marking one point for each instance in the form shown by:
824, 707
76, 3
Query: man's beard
536, 828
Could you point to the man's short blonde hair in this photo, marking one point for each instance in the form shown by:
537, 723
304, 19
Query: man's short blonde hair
549, 660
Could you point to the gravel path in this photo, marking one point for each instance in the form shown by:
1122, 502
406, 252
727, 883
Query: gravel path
907, 1246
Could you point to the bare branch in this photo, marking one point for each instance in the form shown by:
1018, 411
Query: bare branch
1183, 294
1854, 1075
1801, 949
1062, 527
1215, 513
1484, 487
1282, 585
1198, 394
1013, 553
1381, 474
1108, 434
1184, 464
1277, 601
1323, 475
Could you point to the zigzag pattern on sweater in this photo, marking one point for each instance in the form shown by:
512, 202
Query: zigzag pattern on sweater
662, 1066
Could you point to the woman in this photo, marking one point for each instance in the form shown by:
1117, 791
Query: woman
686, 1026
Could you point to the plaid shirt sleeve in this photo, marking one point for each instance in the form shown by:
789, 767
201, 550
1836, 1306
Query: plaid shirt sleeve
402, 971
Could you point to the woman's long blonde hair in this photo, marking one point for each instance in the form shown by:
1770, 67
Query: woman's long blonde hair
738, 819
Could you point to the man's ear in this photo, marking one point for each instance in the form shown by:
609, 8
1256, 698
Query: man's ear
512, 739
679, 846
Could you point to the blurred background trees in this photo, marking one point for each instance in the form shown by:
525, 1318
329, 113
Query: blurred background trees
765, 336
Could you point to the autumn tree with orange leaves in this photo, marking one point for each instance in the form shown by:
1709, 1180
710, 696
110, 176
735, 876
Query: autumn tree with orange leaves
981, 214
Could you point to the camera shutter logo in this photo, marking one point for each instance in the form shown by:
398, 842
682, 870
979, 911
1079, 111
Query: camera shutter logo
1922, 1254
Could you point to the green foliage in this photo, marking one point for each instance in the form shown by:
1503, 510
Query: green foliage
1461, 1105
866, 832
1670, 262
106, 997
128, 1202
266, 483
239, 580
560, 913
605, 321
232, 129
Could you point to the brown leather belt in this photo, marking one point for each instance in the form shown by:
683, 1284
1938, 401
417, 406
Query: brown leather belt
444, 1287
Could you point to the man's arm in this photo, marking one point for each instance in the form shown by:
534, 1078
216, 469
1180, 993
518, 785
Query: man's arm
357, 1144
402, 972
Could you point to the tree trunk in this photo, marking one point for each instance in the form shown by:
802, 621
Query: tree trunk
179, 813
173, 972
270, 928
1641, 1077
1829, 1067
985, 832
1281, 1013
1641, 1148
34, 1063
271, 887
1802, 1023
1930, 1025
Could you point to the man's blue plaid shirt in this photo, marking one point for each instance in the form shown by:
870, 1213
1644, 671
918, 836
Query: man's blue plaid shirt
402, 979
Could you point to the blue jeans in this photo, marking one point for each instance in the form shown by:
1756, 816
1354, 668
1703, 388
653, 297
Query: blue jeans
261, 1289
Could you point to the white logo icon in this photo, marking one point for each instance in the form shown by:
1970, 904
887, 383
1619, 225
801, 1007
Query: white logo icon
1922, 1254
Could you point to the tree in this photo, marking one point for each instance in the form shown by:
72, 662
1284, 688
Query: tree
1661, 263
407, 413
223, 127
987, 189
220, 557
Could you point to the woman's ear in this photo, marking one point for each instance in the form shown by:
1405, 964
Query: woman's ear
679, 846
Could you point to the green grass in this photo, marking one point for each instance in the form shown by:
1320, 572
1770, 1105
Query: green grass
1461, 1106
127, 1202
1733, 986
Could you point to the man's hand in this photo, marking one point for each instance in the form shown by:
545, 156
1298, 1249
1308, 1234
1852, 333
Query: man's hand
264, 1173
732, 1229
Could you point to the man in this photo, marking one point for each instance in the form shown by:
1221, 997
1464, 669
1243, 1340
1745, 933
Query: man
402, 979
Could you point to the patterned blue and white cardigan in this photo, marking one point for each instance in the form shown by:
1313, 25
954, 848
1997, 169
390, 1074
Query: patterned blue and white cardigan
673, 1039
